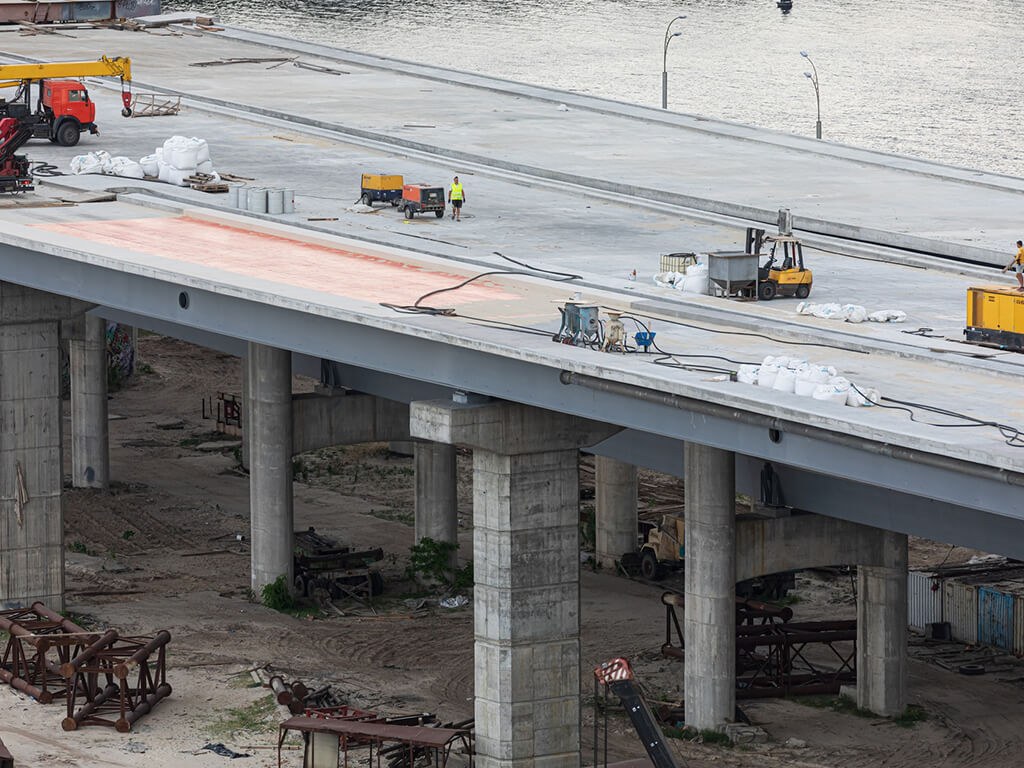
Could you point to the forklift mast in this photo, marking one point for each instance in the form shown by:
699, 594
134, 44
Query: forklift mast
617, 674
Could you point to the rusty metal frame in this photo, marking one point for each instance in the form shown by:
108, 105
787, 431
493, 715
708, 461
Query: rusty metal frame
39, 642
116, 680
771, 655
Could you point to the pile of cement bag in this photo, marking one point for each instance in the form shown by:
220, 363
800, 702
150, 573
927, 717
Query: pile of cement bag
175, 161
179, 158
799, 377
851, 313
693, 280
102, 162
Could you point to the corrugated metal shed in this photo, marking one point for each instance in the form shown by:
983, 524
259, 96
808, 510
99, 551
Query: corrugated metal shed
1018, 624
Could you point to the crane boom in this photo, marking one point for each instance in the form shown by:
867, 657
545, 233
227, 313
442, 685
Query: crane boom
104, 67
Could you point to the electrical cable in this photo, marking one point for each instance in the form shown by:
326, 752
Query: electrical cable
42, 168
416, 308
1012, 436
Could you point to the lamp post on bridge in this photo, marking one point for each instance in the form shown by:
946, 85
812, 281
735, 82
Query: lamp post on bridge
664, 60
817, 92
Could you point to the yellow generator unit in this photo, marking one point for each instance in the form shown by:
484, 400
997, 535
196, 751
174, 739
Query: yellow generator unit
995, 317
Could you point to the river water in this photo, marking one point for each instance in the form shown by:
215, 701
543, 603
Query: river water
939, 79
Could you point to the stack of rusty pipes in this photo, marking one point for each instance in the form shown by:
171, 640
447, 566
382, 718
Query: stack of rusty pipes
39, 642
116, 680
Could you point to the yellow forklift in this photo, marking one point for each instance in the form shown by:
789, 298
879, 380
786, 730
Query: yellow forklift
788, 277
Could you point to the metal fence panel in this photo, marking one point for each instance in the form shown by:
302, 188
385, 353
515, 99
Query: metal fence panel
924, 600
960, 609
1018, 624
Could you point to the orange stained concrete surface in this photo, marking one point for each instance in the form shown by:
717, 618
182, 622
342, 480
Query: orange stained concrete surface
366, 277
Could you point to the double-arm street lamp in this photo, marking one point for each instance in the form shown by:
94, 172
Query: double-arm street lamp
669, 34
817, 93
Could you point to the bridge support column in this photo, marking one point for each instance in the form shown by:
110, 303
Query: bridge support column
882, 629
270, 456
31, 478
526, 566
615, 497
246, 413
709, 628
437, 499
90, 449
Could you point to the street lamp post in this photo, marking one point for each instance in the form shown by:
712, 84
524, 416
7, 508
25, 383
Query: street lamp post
664, 61
817, 92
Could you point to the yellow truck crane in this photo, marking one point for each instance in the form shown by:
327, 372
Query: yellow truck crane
62, 110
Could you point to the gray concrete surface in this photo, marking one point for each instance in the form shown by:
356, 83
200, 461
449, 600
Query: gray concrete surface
437, 496
270, 456
615, 506
709, 626
90, 446
320, 421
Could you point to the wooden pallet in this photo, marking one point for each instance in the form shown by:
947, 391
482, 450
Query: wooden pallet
204, 182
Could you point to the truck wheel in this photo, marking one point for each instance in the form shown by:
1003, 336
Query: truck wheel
408, 212
67, 134
650, 568
439, 214
803, 291
766, 291
366, 199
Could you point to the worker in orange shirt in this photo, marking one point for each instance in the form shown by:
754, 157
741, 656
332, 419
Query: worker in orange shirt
456, 196
1018, 265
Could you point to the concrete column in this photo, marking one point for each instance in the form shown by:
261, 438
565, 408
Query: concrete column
437, 498
246, 413
90, 450
709, 627
270, 454
615, 510
526, 569
882, 629
31, 481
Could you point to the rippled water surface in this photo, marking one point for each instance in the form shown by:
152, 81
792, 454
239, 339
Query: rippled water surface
931, 78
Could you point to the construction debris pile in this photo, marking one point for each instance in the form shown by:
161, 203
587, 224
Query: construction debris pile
105, 679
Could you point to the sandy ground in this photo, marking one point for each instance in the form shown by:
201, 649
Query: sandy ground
159, 551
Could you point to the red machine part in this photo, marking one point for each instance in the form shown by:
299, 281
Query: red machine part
614, 670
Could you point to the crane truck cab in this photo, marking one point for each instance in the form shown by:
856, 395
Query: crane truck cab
67, 112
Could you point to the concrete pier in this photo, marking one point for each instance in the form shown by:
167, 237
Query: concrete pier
90, 449
437, 497
615, 498
882, 629
709, 626
31, 519
526, 567
270, 456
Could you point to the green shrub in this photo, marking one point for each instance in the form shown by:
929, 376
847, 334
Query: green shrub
278, 596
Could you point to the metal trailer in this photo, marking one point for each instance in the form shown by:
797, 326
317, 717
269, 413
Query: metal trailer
422, 198
381, 188
323, 566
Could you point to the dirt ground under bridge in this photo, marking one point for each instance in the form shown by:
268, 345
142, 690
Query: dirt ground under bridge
160, 550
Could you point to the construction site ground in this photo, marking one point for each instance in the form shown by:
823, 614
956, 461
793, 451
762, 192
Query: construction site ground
159, 550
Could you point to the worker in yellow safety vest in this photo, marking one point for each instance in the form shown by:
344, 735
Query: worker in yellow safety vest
1017, 263
456, 196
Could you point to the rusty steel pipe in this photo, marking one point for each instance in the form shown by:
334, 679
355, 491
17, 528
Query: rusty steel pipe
23, 685
124, 724
69, 668
160, 639
281, 691
299, 691
65, 624
73, 720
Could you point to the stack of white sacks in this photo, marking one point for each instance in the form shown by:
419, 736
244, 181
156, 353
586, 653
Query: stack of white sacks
694, 280
821, 382
175, 161
102, 162
851, 313
179, 158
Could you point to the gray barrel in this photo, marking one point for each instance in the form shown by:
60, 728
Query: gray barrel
258, 199
275, 201
232, 196
242, 201
289, 201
